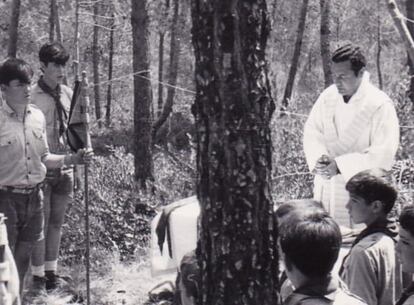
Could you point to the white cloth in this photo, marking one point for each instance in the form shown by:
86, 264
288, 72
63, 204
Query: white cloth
360, 135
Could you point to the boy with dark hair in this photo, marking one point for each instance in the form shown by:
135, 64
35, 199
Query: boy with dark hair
309, 249
54, 99
405, 251
353, 126
24, 156
370, 270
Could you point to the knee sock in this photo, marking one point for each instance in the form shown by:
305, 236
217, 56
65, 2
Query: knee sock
38, 270
51, 265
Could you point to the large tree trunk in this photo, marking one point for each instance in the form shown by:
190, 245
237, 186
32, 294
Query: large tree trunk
14, 29
410, 15
142, 93
160, 72
296, 54
110, 68
326, 35
173, 69
401, 27
58, 30
95, 63
233, 109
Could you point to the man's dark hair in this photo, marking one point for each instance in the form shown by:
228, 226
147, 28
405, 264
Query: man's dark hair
407, 219
352, 53
53, 52
311, 244
190, 274
374, 185
15, 68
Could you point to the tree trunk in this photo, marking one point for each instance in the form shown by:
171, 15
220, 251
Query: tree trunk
14, 29
160, 72
173, 69
326, 35
110, 68
142, 93
379, 48
410, 15
233, 108
401, 27
296, 54
57, 22
52, 20
95, 63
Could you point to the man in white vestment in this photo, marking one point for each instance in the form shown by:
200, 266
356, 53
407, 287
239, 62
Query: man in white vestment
353, 126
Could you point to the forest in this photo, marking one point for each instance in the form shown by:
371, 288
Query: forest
151, 97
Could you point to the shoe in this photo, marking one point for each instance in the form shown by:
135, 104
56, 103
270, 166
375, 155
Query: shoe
54, 281
38, 283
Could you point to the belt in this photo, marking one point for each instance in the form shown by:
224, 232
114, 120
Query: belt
20, 189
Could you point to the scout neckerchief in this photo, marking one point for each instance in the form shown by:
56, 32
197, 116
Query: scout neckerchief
406, 294
340, 145
387, 227
55, 94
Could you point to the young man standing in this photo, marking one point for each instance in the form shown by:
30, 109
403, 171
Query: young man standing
309, 249
24, 156
54, 99
352, 127
371, 270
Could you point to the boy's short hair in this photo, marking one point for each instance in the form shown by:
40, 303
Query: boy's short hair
312, 244
372, 185
53, 52
407, 219
352, 53
15, 68
302, 206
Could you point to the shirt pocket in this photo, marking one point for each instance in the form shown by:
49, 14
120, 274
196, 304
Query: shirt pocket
39, 140
8, 148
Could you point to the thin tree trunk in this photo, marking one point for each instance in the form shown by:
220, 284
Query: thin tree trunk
58, 30
14, 29
142, 93
95, 62
379, 48
160, 72
296, 54
110, 68
233, 108
52, 20
410, 15
326, 35
173, 69
401, 27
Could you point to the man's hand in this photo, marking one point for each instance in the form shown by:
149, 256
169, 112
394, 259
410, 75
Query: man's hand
326, 167
83, 156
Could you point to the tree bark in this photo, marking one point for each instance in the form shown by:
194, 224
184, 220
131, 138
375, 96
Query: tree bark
57, 22
173, 69
110, 68
95, 63
410, 15
52, 20
296, 54
401, 27
160, 72
326, 35
14, 29
142, 93
233, 109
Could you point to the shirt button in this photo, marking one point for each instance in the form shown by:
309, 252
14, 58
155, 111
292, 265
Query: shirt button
30, 173
27, 143
28, 158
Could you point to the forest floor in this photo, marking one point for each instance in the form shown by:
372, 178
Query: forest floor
125, 283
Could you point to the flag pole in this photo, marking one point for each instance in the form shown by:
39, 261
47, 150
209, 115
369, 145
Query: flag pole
84, 109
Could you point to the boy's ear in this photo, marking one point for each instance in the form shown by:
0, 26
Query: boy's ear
377, 206
3, 87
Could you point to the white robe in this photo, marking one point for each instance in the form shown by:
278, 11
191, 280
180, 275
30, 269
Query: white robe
360, 135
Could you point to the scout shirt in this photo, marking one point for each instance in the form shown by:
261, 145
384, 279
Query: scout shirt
360, 135
24, 152
331, 291
372, 271
46, 103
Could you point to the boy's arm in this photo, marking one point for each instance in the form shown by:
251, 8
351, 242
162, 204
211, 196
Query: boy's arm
359, 275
